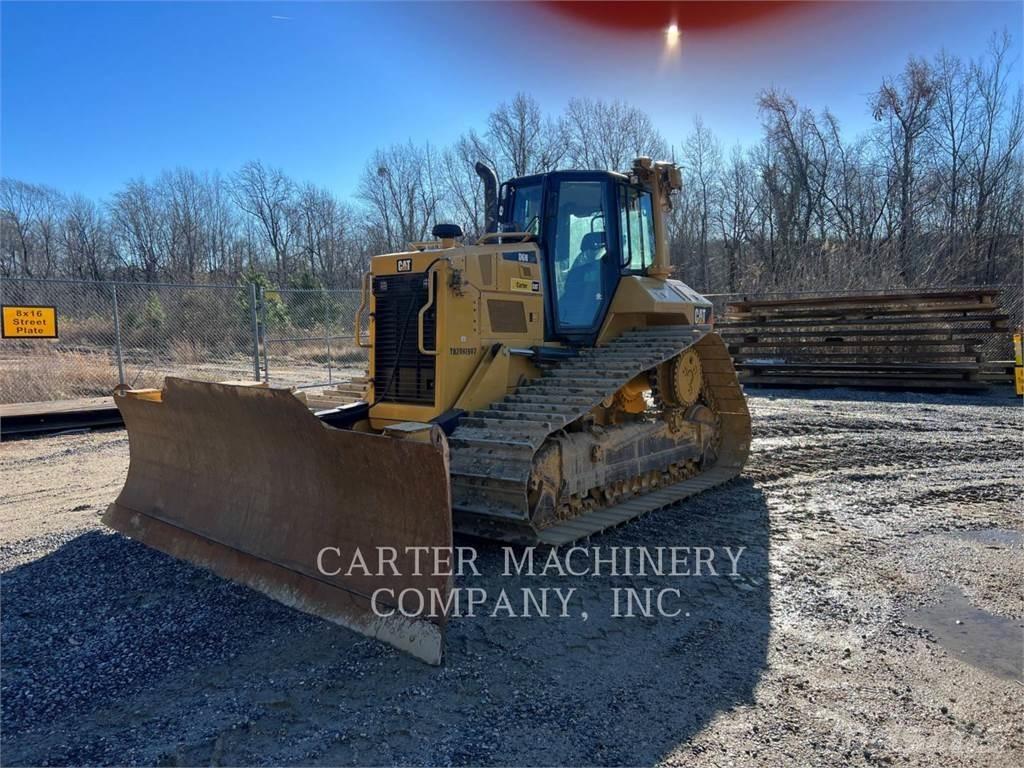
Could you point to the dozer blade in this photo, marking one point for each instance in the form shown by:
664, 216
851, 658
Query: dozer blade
245, 481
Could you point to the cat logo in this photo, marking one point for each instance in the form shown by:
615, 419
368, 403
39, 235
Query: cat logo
700, 315
405, 265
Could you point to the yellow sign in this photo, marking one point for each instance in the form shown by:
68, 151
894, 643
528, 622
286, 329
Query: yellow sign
29, 322
1018, 371
525, 286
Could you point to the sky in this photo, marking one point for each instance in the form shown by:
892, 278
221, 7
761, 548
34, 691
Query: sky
95, 94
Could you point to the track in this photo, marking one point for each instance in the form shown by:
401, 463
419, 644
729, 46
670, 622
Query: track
493, 450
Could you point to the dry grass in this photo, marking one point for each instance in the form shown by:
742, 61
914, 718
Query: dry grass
186, 352
46, 374
89, 330
32, 372
315, 351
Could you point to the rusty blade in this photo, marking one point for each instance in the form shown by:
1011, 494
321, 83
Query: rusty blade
245, 481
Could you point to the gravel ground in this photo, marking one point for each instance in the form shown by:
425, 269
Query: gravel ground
876, 619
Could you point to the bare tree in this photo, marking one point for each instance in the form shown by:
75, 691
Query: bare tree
324, 228
462, 189
267, 194
139, 228
995, 154
523, 141
951, 134
798, 174
933, 194
186, 198
30, 217
224, 254
904, 107
735, 213
86, 244
398, 186
608, 135
702, 160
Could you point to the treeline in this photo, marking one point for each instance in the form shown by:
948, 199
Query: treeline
931, 195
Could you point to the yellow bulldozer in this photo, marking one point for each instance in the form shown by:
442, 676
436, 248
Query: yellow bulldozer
535, 387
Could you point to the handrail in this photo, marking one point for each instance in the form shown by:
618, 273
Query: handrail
364, 295
489, 236
420, 342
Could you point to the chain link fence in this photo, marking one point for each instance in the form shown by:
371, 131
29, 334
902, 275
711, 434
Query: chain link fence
135, 334
309, 338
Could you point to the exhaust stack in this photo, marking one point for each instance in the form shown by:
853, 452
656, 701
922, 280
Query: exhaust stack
490, 180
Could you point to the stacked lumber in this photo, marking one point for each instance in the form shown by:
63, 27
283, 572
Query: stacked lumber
349, 391
997, 371
915, 340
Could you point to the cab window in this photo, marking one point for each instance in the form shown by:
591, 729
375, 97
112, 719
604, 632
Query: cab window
525, 209
636, 226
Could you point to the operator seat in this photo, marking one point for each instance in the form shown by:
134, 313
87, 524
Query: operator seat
582, 294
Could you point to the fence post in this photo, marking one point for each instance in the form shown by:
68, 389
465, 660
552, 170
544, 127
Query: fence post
263, 330
255, 332
327, 334
118, 352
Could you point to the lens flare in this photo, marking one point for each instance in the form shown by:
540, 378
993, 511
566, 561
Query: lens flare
672, 35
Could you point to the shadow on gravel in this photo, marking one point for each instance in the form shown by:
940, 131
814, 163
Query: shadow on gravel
116, 654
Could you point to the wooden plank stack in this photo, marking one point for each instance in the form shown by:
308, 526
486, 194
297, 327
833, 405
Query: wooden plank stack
345, 392
918, 341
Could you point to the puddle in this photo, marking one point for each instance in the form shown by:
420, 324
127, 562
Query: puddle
983, 640
997, 538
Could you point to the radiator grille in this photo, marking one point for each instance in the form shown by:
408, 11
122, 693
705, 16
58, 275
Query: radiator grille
401, 373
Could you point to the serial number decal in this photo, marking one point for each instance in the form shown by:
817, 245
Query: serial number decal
525, 286
405, 265
462, 351
523, 257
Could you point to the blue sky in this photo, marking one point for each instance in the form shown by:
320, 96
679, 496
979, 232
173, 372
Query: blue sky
95, 94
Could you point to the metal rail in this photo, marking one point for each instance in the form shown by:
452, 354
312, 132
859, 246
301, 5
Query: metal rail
41, 424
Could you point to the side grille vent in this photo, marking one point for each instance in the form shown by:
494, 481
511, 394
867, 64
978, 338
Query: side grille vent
506, 316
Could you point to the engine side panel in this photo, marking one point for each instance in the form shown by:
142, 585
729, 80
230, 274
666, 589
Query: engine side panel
483, 295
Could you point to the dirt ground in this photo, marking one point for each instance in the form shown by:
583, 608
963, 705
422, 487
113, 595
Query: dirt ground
876, 619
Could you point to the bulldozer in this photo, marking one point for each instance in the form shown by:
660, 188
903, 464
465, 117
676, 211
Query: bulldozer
537, 386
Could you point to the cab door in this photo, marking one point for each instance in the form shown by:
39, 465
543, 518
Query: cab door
583, 254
